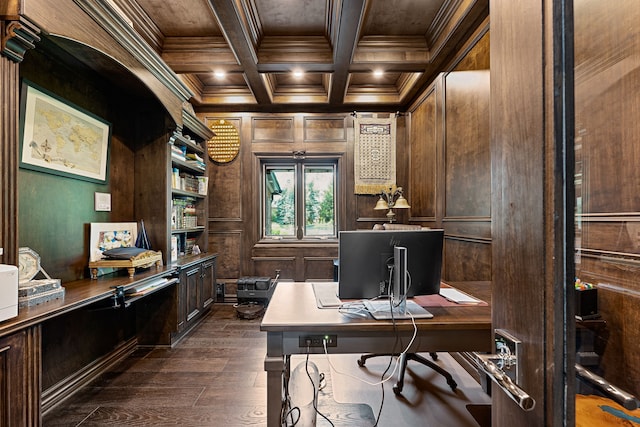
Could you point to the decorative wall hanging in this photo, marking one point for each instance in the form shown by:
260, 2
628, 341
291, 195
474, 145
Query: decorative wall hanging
61, 138
374, 154
225, 144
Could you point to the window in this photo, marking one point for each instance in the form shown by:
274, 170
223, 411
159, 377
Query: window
299, 199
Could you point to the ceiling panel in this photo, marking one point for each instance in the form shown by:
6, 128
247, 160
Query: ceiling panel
338, 43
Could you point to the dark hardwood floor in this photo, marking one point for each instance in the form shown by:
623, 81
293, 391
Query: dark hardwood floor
215, 377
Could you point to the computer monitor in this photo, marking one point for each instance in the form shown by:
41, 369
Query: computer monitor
366, 260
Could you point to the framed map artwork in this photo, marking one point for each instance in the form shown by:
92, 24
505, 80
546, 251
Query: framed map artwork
60, 138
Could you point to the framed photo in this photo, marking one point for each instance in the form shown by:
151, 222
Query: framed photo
60, 138
110, 235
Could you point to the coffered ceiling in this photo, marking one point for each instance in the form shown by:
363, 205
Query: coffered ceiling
243, 55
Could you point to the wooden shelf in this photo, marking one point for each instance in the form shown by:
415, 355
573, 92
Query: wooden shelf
188, 230
177, 192
184, 165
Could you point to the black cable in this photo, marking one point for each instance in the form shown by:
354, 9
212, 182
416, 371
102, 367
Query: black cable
316, 390
287, 404
393, 350
377, 420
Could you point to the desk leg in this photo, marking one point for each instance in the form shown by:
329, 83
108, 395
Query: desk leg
275, 386
277, 366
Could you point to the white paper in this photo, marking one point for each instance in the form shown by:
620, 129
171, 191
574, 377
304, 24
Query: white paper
458, 297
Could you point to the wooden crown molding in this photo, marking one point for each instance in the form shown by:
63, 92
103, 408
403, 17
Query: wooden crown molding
18, 36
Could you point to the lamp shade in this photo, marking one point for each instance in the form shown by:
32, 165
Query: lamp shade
401, 203
381, 205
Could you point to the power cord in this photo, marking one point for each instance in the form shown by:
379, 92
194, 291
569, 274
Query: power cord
316, 390
383, 379
288, 414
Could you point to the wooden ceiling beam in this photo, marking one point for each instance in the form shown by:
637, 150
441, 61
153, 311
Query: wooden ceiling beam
241, 45
348, 31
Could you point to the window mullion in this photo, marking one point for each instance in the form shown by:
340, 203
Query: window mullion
300, 201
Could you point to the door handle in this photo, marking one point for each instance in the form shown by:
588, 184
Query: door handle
628, 401
498, 376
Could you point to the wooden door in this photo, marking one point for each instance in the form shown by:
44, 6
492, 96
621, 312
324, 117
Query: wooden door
532, 204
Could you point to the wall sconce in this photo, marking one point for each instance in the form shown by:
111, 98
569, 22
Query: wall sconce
392, 199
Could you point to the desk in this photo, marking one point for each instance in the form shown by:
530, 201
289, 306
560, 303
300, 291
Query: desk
292, 314
51, 349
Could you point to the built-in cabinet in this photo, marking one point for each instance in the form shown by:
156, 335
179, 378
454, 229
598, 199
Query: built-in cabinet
98, 64
172, 187
196, 291
18, 383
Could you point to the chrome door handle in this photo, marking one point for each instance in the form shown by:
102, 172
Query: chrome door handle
628, 401
498, 376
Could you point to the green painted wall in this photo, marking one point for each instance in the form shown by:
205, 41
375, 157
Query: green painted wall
54, 213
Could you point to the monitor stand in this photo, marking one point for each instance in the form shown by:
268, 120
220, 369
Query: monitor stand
402, 308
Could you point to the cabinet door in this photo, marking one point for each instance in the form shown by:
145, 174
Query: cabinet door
182, 302
208, 282
192, 280
19, 378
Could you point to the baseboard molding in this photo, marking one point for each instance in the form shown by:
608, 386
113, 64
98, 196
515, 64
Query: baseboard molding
64, 389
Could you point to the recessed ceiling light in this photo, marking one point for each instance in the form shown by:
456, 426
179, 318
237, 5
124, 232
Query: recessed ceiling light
298, 73
220, 74
378, 73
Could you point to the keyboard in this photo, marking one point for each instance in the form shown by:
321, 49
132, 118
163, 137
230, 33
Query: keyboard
326, 294
380, 310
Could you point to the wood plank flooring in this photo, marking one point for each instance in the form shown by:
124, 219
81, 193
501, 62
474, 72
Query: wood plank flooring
215, 377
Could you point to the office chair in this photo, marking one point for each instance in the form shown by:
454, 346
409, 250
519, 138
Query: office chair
404, 358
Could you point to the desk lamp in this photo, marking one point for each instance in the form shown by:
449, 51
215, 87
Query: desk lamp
392, 199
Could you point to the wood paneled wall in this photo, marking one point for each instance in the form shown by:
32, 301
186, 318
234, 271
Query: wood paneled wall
442, 154
607, 103
234, 188
450, 165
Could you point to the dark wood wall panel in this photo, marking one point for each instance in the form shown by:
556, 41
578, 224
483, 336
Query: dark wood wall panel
272, 129
612, 234
467, 156
300, 262
266, 266
607, 102
325, 129
425, 134
319, 268
477, 228
225, 182
228, 246
467, 259
478, 57
450, 169
9, 119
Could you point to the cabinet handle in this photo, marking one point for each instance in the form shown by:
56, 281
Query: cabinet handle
3, 349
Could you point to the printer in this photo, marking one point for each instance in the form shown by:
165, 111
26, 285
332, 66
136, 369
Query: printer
8, 291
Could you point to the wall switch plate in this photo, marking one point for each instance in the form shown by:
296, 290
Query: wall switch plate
102, 202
